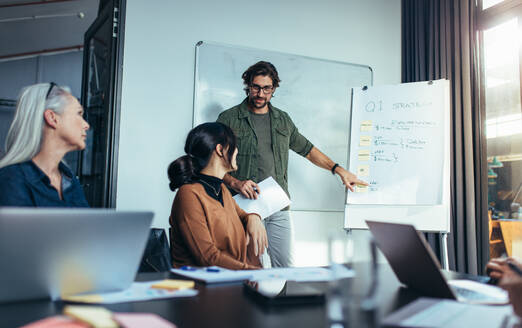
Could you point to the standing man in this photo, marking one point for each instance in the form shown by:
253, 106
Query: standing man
265, 134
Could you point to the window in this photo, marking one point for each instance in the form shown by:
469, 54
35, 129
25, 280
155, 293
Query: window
500, 38
490, 3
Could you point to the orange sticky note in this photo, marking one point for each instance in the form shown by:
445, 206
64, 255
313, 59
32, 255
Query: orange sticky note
95, 316
57, 321
174, 284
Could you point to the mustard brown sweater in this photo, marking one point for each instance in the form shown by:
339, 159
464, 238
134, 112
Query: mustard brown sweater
206, 233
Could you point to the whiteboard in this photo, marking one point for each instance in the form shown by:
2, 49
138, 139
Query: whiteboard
316, 93
399, 144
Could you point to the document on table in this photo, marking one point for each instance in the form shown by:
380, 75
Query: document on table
213, 274
271, 199
303, 274
428, 312
138, 291
218, 275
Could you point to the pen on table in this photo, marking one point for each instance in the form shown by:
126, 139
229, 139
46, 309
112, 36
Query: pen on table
188, 268
515, 268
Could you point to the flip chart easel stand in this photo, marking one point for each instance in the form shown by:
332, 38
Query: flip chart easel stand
391, 128
444, 244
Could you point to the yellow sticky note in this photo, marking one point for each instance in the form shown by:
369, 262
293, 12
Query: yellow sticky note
366, 126
364, 155
173, 284
363, 170
96, 316
361, 188
88, 298
365, 141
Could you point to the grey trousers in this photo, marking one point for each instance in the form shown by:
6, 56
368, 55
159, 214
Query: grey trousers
279, 230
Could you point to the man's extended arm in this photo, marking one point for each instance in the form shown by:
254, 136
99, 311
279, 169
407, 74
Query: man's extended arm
318, 158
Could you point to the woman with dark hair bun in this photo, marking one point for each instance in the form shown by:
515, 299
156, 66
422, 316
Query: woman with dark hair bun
208, 227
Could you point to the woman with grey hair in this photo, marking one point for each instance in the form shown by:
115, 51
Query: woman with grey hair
48, 124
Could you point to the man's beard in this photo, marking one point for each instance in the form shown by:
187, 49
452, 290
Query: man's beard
256, 105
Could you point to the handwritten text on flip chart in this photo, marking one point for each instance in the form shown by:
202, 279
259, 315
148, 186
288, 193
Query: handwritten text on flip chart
397, 145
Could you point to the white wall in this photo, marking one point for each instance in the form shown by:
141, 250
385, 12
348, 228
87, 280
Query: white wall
158, 78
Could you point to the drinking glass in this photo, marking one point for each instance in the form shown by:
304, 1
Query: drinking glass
340, 257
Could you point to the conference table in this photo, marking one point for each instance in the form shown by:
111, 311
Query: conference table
228, 305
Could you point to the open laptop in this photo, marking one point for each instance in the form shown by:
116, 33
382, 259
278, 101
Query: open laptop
415, 265
54, 252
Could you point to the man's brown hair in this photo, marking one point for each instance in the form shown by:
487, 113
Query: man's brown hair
260, 68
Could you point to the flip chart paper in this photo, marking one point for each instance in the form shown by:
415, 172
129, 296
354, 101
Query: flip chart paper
398, 143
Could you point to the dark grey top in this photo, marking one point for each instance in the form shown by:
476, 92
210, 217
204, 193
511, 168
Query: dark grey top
265, 151
26, 185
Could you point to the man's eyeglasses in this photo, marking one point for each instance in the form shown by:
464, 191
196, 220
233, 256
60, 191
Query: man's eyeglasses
266, 89
50, 89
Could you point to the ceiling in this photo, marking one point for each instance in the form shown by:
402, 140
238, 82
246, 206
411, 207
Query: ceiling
28, 27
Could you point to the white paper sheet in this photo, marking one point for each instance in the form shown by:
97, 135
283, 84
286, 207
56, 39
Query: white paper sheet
271, 199
138, 291
398, 141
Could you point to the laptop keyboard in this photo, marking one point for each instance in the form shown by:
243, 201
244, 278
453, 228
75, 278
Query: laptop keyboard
474, 292
469, 294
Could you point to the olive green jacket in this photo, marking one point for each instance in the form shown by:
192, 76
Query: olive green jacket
285, 136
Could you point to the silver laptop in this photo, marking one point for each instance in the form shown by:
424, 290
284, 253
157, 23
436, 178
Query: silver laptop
415, 265
54, 252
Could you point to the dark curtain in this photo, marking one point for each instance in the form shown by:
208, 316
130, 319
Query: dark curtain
439, 42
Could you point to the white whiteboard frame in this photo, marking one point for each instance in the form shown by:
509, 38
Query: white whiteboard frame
427, 218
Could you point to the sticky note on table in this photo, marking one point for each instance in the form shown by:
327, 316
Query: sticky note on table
363, 155
173, 284
366, 126
363, 170
361, 188
365, 141
84, 298
140, 320
57, 321
96, 316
